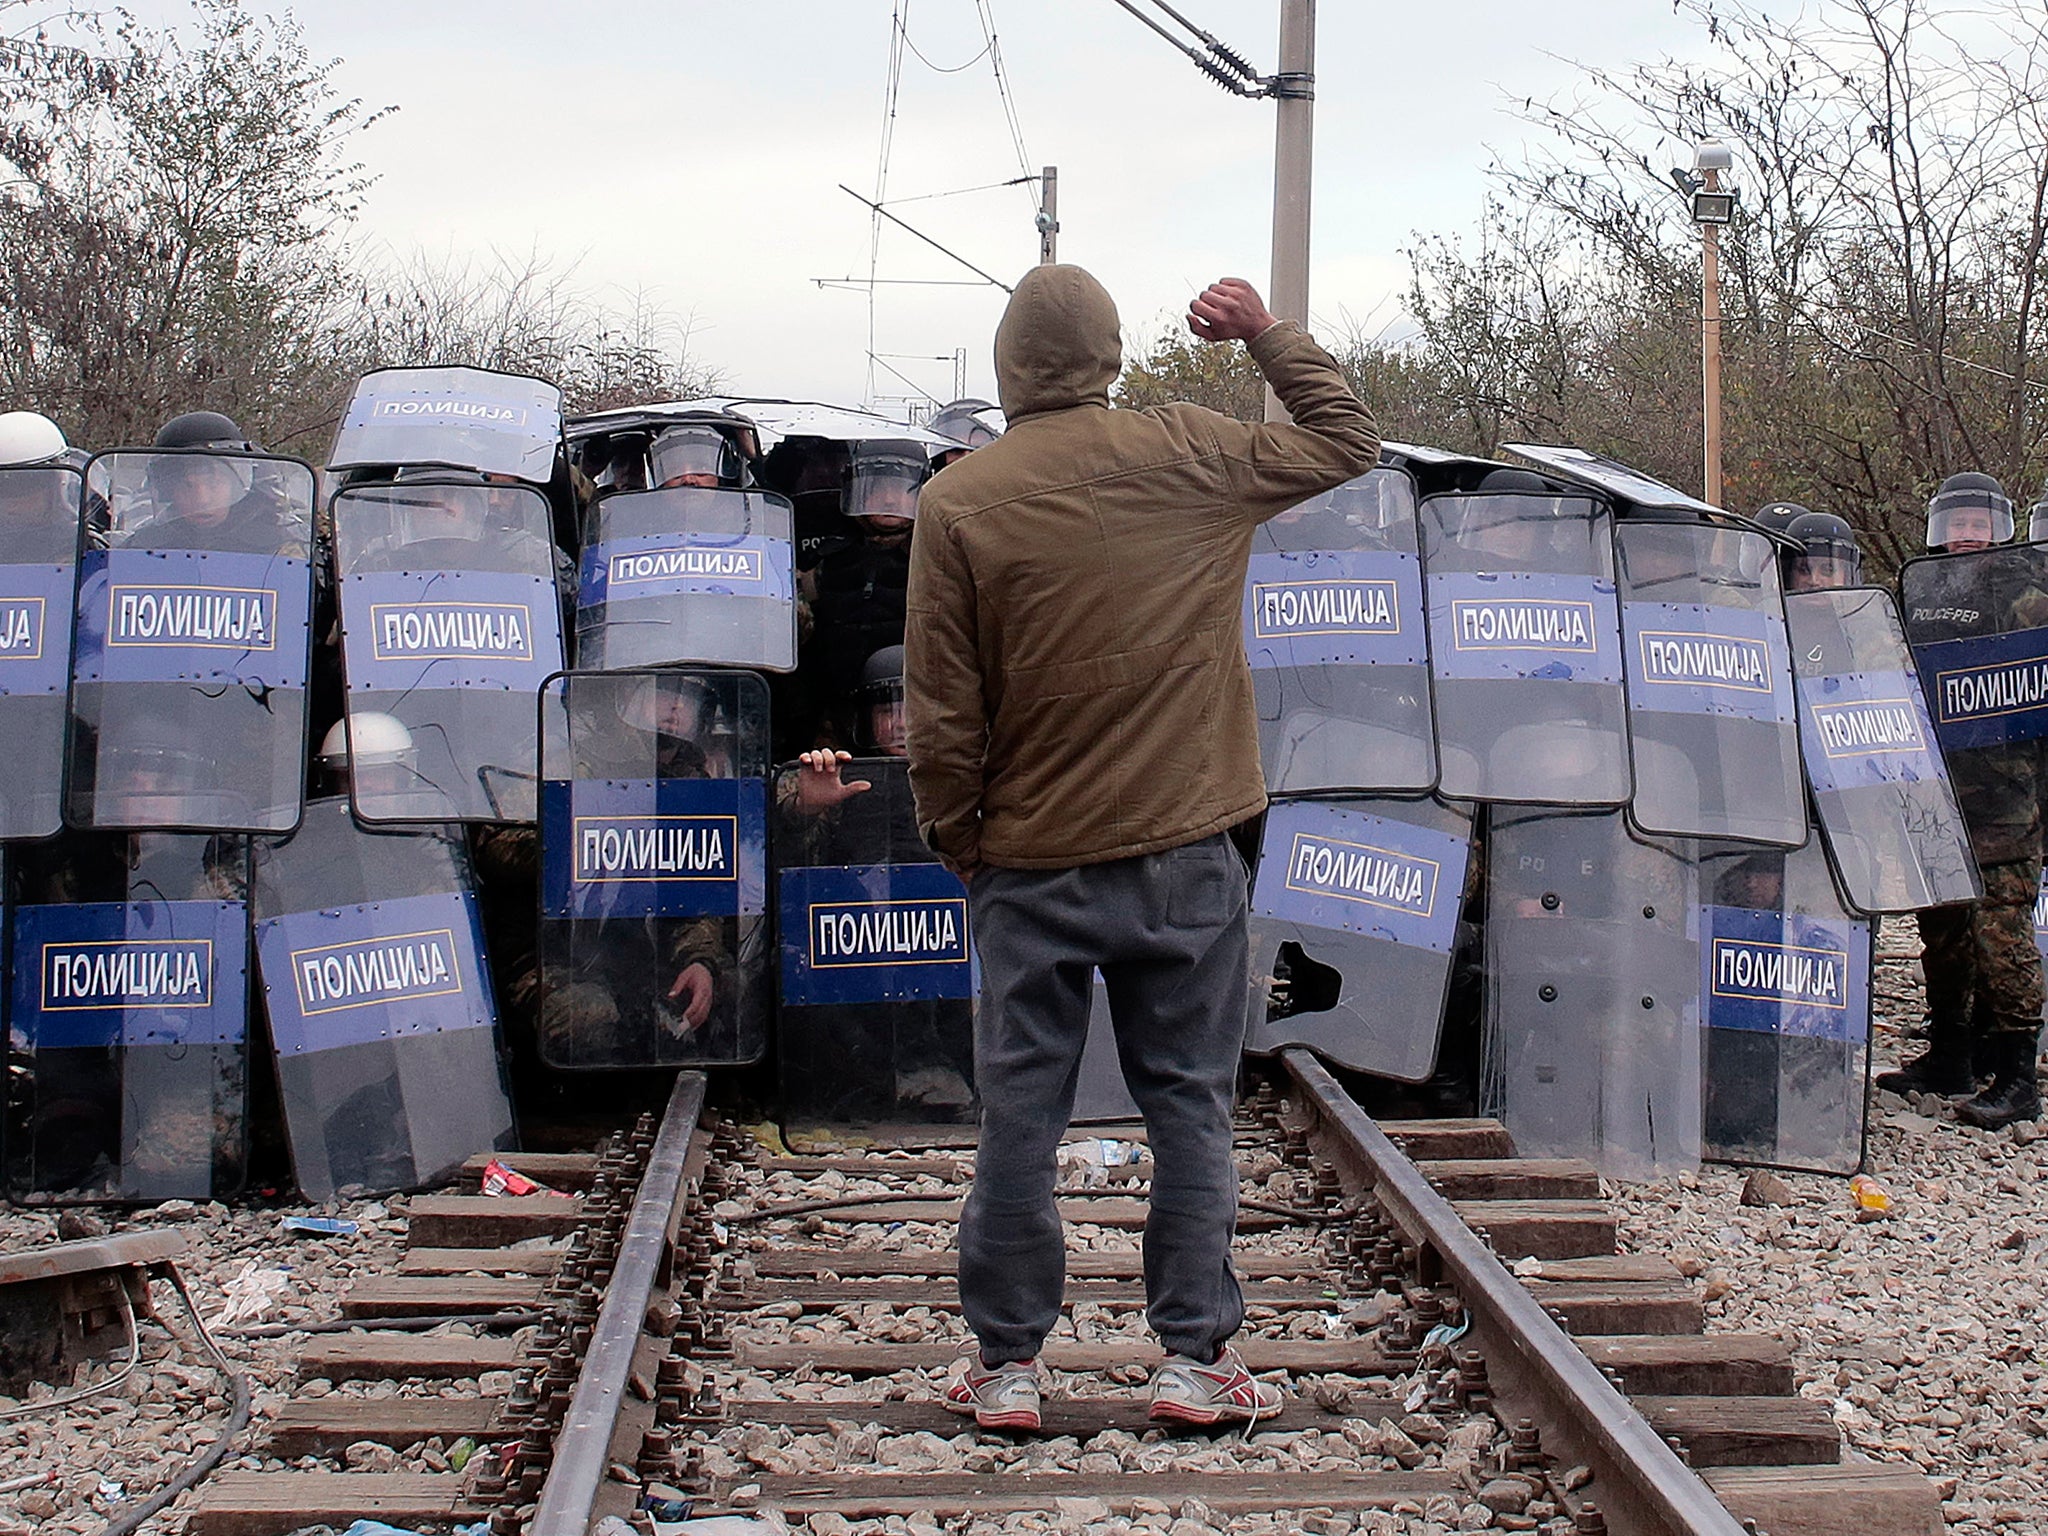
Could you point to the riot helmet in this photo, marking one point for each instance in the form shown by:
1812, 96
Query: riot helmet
1968, 511
370, 748
1777, 516
693, 454
1828, 555
2037, 520
882, 724
1511, 516
430, 511
29, 437
203, 429
882, 480
971, 423
676, 715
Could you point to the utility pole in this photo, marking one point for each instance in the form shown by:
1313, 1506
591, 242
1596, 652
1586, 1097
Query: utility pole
1294, 88
1710, 341
1049, 215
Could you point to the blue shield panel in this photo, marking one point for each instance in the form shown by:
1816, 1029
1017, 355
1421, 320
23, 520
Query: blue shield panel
39, 513
127, 1019
380, 1004
654, 869
1354, 917
1335, 634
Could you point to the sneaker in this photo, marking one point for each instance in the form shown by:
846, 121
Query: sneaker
1003, 1398
1188, 1391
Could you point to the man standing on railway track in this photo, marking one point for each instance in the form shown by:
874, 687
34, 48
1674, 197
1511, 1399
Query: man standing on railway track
1082, 737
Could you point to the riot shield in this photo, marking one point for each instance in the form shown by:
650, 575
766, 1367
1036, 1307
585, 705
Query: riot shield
1887, 810
1354, 917
193, 641
127, 1018
1712, 733
1978, 625
1525, 648
1784, 1010
654, 869
1593, 979
381, 1012
1334, 632
450, 622
875, 1020
688, 575
463, 418
39, 513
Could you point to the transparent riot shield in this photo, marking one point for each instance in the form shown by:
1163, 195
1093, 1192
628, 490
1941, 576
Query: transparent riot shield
1335, 634
463, 418
193, 642
450, 622
1785, 1010
1525, 648
1887, 810
1978, 625
1593, 982
380, 1004
654, 947
127, 1018
39, 513
1354, 917
688, 575
1712, 731
875, 1018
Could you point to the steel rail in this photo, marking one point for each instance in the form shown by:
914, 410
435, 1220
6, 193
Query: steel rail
582, 1449
1640, 1484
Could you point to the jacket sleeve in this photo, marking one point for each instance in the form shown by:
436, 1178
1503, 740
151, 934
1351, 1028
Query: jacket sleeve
1333, 438
948, 714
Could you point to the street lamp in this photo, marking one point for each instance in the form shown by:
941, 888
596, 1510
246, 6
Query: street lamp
1711, 208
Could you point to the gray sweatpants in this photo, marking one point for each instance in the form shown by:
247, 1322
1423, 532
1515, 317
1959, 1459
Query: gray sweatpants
1167, 931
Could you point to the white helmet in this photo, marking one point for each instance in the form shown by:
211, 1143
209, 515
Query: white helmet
27, 437
379, 738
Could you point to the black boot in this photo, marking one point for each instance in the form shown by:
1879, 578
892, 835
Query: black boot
1943, 1068
2014, 1094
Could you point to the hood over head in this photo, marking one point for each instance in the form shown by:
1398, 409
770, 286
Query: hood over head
1060, 343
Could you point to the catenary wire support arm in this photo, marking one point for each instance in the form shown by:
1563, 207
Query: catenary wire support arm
1224, 64
882, 212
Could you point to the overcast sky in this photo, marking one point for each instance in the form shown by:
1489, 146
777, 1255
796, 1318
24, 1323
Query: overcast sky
692, 149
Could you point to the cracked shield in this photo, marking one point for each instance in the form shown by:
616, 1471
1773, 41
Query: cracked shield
39, 513
1785, 1011
1335, 634
1525, 648
875, 1012
127, 1018
464, 418
192, 637
381, 1011
1354, 917
450, 622
1592, 991
688, 575
1713, 732
655, 939
1888, 812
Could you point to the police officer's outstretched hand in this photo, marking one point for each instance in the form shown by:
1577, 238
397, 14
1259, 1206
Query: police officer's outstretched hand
819, 786
693, 990
1229, 309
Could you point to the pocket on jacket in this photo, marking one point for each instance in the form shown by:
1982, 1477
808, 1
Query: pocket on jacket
1204, 882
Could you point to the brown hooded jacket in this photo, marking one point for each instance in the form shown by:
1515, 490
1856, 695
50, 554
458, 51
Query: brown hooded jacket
1076, 678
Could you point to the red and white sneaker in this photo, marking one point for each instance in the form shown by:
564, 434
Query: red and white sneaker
1003, 1398
1187, 1391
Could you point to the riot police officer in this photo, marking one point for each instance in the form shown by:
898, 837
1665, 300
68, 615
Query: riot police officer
213, 503
970, 423
694, 454
1828, 554
38, 520
1982, 969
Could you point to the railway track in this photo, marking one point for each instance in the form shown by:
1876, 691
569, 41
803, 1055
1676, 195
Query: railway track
698, 1319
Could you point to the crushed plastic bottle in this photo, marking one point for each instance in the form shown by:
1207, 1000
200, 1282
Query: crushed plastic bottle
1872, 1200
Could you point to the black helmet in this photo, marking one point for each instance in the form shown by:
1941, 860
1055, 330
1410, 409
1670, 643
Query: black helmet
1777, 516
885, 666
883, 476
1828, 556
691, 453
203, 429
1965, 493
881, 725
1524, 481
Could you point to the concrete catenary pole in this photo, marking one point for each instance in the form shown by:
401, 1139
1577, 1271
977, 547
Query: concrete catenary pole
1710, 344
1049, 215
1295, 89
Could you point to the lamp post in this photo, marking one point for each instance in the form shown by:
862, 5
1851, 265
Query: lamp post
1712, 207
